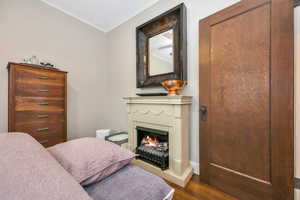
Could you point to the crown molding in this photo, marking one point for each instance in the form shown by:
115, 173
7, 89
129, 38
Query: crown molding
146, 6
74, 16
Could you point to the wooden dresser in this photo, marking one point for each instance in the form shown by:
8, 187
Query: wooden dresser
38, 103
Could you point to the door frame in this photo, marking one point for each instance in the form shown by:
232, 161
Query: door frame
282, 91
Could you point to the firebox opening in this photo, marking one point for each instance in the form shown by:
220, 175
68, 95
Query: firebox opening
153, 147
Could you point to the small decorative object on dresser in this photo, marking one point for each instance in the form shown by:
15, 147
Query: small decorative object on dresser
38, 102
174, 87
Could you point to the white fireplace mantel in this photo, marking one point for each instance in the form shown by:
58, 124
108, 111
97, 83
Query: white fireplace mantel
169, 114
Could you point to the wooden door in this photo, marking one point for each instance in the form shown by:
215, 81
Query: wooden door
246, 97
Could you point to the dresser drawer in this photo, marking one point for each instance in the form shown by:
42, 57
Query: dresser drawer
51, 142
28, 117
37, 76
46, 133
39, 90
40, 104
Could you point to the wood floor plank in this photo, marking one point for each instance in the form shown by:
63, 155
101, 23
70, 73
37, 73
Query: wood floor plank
196, 190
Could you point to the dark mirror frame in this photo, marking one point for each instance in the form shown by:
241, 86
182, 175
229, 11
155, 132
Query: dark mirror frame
175, 19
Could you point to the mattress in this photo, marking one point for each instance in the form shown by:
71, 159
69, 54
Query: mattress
131, 183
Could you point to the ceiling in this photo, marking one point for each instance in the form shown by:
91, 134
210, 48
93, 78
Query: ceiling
104, 15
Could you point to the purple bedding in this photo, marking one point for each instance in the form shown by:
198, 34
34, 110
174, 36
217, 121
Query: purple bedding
29, 172
130, 183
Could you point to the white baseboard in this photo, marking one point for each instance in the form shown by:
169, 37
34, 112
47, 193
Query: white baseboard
195, 167
297, 194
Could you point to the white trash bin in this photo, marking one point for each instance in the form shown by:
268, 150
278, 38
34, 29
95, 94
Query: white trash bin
102, 133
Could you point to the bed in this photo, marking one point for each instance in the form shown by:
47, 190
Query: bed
29, 172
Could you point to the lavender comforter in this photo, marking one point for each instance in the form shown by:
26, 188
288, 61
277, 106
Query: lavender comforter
131, 183
29, 172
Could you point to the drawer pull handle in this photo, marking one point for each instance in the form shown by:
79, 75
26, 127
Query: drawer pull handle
42, 116
44, 90
44, 77
42, 129
44, 103
44, 141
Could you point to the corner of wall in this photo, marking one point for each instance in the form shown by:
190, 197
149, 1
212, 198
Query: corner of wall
196, 167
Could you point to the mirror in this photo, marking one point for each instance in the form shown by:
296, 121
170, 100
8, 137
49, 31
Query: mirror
161, 54
161, 48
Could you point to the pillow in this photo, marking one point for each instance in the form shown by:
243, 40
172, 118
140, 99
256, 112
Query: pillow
90, 160
28, 171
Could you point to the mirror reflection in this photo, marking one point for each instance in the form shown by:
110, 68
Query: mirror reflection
161, 54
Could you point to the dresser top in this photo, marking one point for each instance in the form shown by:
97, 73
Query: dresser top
34, 67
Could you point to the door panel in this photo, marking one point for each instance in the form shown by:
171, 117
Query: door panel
240, 93
247, 139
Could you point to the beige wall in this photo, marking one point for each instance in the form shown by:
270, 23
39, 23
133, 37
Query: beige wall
297, 96
122, 67
30, 27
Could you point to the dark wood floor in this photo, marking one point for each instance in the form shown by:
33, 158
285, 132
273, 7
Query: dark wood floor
196, 190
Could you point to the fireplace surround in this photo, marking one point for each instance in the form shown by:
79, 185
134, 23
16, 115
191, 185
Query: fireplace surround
165, 115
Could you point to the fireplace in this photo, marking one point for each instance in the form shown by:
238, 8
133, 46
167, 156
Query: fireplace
153, 147
164, 119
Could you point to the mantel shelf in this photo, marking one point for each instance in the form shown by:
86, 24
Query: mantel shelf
172, 100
